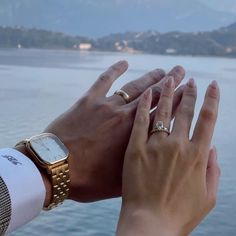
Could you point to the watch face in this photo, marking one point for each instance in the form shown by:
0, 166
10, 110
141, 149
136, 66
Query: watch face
49, 148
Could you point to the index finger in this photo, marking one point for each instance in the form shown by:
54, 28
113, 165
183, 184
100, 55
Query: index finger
136, 87
105, 80
204, 128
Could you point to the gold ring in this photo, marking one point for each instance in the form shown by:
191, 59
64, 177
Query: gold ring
124, 95
159, 127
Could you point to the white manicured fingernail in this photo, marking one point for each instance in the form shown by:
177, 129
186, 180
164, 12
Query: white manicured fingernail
191, 83
148, 94
122, 63
214, 84
170, 82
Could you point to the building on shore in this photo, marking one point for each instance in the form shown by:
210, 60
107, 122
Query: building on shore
85, 46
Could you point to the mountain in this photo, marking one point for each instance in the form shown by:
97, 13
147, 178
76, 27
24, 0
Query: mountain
221, 42
96, 18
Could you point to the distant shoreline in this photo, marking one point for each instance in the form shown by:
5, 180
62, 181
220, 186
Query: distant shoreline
217, 43
116, 52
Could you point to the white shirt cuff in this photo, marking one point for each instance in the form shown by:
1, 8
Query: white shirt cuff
25, 185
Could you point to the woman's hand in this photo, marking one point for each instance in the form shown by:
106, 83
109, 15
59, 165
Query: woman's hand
170, 181
97, 128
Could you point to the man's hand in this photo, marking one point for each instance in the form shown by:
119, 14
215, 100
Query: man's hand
97, 128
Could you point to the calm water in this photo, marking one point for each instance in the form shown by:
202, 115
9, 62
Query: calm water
36, 86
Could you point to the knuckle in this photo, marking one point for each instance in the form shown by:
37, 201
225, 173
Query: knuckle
176, 145
186, 110
166, 94
105, 108
152, 150
197, 150
142, 118
181, 151
163, 113
191, 93
137, 153
136, 88
197, 153
199, 164
121, 115
84, 101
208, 114
105, 77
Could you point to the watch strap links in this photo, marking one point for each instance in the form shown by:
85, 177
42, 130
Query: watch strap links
60, 185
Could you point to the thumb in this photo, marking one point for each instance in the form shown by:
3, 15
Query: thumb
212, 176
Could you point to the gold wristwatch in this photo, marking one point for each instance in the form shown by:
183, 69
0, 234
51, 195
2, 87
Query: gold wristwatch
49, 153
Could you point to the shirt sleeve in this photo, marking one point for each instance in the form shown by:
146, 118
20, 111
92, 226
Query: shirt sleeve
25, 186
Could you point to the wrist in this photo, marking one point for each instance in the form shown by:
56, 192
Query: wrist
46, 181
137, 221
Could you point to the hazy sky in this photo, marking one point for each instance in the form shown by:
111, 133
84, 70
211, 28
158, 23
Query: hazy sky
226, 5
90, 17
216, 4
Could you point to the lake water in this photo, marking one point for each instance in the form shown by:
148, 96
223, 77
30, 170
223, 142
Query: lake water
36, 86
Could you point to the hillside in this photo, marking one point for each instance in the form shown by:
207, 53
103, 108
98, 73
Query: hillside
221, 42
34, 38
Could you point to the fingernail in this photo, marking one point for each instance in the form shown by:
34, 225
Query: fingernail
170, 82
159, 73
191, 83
214, 84
122, 63
148, 94
178, 70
